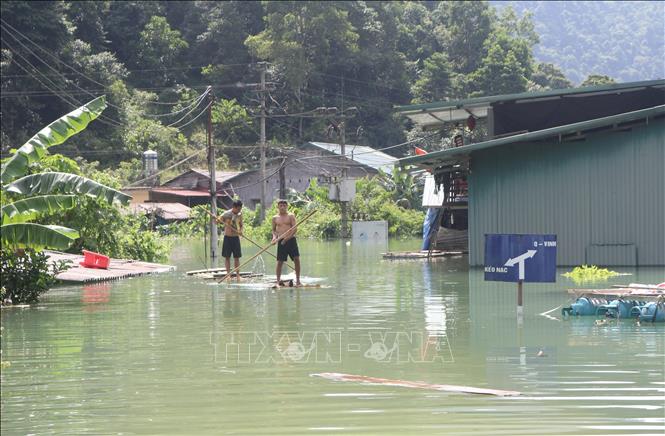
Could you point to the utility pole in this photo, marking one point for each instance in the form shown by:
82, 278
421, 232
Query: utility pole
339, 123
344, 204
262, 215
213, 185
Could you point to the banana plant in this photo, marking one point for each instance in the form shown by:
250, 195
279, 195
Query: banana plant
50, 191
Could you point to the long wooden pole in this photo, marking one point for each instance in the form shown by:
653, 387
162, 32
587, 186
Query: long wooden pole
267, 246
249, 240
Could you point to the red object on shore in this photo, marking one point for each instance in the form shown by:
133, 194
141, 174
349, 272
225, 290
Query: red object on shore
95, 260
419, 151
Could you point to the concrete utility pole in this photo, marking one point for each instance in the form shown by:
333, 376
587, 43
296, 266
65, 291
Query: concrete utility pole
339, 122
344, 204
263, 66
213, 185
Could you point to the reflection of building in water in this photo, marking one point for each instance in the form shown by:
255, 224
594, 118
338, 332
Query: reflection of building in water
435, 309
435, 301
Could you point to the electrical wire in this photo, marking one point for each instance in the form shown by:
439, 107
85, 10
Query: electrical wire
168, 168
73, 102
192, 110
195, 118
68, 66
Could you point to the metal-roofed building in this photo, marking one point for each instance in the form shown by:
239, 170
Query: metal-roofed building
358, 153
296, 169
585, 164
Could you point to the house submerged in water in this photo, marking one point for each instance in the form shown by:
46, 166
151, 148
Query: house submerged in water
586, 164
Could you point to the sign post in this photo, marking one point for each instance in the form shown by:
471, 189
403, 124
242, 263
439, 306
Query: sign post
520, 258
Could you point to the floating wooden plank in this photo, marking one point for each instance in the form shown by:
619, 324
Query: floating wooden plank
118, 268
641, 286
205, 271
336, 376
420, 254
635, 293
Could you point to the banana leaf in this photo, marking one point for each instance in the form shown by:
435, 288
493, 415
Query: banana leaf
55, 133
65, 183
37, 236
24, 210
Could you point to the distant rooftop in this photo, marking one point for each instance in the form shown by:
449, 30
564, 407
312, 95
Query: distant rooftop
220, 176
359, 153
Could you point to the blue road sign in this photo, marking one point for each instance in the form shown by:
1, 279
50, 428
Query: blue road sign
530, 258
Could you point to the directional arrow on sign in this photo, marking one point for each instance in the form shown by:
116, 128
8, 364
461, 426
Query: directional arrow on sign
520, 260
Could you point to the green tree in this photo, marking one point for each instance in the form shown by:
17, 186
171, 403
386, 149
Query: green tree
434, 83
508, 62
547, 76
301, 37
462, 29
597, 79
159, 48
231, 121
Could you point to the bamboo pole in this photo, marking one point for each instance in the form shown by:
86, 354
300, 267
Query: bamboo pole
249, 240
267, 246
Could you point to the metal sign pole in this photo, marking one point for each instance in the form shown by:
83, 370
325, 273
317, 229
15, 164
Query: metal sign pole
520, 308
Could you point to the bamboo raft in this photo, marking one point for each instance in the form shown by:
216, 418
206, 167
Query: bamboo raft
250, 279
417, 385
118, 268
216, 273
420, 254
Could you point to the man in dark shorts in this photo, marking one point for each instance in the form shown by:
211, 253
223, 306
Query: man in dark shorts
232, 220
284, 234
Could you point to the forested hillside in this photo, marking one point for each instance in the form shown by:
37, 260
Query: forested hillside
621, 39
155, 60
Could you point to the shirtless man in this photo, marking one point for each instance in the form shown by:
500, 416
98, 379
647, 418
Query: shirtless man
281, 223
232, 220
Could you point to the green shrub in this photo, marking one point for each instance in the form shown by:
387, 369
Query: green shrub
27, 274
589, 273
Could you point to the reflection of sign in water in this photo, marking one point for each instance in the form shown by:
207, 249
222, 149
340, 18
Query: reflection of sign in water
529, 258
370, 231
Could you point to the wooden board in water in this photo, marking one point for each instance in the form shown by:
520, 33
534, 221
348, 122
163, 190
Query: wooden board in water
420, 254
410, 384
635, 293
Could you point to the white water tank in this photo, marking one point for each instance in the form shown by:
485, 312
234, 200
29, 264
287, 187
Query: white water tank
149, 162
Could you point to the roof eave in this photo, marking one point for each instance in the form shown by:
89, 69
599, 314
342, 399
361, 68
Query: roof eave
432, 160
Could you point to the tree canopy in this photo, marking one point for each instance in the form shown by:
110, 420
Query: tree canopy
155, 59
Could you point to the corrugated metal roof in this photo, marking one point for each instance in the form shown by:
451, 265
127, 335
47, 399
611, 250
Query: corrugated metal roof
169, 211
220, 176
456, 110
182, 192
361, 154
438, 158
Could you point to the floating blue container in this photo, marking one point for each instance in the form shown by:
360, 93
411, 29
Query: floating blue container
583, 306
653, 312
616, 309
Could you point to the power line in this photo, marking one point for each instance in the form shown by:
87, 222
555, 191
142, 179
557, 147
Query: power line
195, 118
60, 75
152, 176
77, 102
63, 96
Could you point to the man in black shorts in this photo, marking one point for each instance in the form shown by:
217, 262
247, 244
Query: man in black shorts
284, 231
232, 220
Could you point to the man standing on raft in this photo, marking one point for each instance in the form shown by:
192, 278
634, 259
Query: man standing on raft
233, 228
287, 246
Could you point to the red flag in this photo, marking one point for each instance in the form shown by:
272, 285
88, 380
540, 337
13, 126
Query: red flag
419, 151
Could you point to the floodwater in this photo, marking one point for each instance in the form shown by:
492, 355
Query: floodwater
172, 354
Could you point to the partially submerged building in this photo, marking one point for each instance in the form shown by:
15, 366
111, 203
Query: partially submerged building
192, 188
586, 164
320, 161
